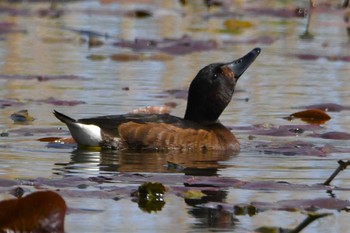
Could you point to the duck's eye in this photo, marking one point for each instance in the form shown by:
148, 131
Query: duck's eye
215, 76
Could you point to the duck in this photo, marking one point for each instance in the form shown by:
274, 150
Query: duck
199, 130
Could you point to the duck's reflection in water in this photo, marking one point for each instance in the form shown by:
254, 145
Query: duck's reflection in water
100, 163
84, 162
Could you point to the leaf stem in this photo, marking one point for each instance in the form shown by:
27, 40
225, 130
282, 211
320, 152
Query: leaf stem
342, 166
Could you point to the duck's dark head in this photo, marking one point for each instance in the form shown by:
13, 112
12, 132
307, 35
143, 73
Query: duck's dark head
212, 89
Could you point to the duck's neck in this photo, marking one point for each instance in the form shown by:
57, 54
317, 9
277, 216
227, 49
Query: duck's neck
203, 115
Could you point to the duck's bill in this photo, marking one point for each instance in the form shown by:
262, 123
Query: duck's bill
240, 65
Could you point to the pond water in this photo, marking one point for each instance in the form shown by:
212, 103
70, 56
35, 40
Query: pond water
44, 62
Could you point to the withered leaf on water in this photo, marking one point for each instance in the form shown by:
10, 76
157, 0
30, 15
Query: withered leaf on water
298, 148
304, 204
327, 107
37, 212
288, 205
313, 116
57, 102
277, 130
277, 12
303, 56
333, 135
10, 103
178, 46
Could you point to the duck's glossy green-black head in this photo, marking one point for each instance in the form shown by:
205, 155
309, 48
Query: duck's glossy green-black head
212, 89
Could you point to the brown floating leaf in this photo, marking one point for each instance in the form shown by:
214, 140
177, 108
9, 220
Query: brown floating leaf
236, 24
49, 139
96, 57
37, 212
60, 143
327, 107
313, 116
126, 57
303, 204
333, 135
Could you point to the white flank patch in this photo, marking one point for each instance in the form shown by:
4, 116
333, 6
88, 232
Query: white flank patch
86, 135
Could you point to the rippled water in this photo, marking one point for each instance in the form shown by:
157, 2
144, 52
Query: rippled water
274, 85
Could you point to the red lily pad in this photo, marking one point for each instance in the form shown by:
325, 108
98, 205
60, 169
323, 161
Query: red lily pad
10, 103
57, 102
327, 107
333, 135
177, 46
281, 12
37, 212
286, 205
6, 28
297, 148
313, 116
304, 204
303, 56
275, 130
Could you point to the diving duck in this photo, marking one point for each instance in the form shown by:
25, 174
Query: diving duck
200, 130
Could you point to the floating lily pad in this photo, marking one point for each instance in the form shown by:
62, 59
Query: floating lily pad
333, 135
37, 212
327, 107
150, 197
313, 116
96, 57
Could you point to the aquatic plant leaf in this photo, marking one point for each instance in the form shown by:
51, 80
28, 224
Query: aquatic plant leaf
297, 148
57, 102
96, 57
327, 107
7, 27
150, 197
151, 190
279, 12
57, 140
257, 40
139, 13
304, 204
37, 212
58, 40
291, 205
277, 130
303, 56
333, 135
126, 57
235, 24
21, 116
193, 194
10, 103
170, 46
313, 116
190, 47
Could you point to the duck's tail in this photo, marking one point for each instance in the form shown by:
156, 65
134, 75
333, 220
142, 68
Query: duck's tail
65, 119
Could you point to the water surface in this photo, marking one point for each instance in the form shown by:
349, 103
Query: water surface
272, 87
